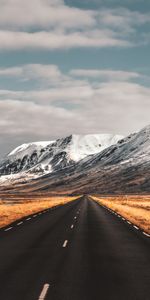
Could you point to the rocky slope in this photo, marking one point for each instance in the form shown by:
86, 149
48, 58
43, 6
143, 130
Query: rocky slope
123, 167
120, 168
36, 159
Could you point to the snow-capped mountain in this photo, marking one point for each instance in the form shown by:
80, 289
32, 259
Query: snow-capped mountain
28, 149
45, 157
123, 167
133, 150
22, 158
91, 164
120, 168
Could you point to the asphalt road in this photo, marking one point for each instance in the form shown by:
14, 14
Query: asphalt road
80, 251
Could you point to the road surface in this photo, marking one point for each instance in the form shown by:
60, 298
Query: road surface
79, 251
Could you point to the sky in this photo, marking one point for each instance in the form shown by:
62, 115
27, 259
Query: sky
72, 67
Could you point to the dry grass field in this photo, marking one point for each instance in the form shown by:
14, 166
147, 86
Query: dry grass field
134, 208
20, 207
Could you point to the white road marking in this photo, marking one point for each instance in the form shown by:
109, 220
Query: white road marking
34, 216
136, 227
19, 223
131, 223
8, 228
75, 217
72, 226
44, 291
146, 234
65, 243
28, 219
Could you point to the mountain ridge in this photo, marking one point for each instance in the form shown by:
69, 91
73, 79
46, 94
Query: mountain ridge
45, 157
123, 167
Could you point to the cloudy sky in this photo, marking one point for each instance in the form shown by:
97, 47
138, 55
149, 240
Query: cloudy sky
72, 66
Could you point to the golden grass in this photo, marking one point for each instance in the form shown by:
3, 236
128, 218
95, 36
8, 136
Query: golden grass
18, 208
134, 208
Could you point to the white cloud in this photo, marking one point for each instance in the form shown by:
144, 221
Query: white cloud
9, 72
82, 101
115, 107
21, 123
70, 93
110, 103
48, 24
105, 74
52, 72
123, 18
75, 86
60, 40
81, 107
46, 74
56, 14
43, 14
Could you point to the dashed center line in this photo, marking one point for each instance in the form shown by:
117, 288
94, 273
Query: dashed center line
72, 226
28, 219
75, 217
65, 243
44, 291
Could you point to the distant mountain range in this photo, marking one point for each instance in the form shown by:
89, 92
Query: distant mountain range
36, 159
81, 164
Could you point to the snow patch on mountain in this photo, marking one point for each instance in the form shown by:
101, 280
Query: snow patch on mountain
40, 158
29, 148
84, 145
90, 163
